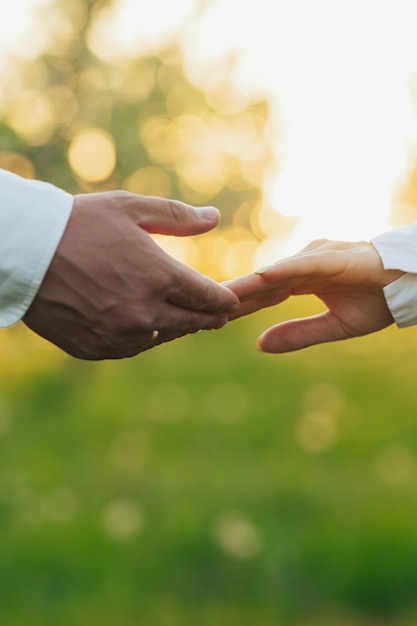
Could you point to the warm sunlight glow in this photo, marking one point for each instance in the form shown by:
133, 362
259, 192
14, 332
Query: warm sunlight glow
348, 117
130, 28
21, 32
32, 118
337, 76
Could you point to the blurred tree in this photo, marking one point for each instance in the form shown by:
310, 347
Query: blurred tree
87, 124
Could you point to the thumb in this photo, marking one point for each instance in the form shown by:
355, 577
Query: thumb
172, 217
301, 333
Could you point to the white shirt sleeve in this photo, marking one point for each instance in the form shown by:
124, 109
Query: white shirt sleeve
33, 217
398, 251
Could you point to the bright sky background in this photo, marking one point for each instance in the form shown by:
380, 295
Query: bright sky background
338, 74
21, 32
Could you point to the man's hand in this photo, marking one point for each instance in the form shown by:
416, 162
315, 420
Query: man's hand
349, 279
112, 292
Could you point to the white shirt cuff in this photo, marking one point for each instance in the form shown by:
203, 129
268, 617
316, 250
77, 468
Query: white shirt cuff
401, 298
33, 217
398, 251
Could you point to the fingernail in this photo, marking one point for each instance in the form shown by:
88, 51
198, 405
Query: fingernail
209, 213
258, 344
263, 269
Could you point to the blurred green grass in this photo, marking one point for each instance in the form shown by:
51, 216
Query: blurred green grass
206, 483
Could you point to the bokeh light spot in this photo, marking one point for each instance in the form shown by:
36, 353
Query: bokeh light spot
236, 535
122, 518
149, 181
17, 163
92, 155
160, 137
32, 119
395, 463
324, 397
316, 431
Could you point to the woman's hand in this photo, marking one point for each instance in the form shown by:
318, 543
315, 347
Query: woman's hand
347, 277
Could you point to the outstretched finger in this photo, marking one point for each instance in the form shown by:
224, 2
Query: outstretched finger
249, 286
284, 274
303, 265
302, 333
251, 305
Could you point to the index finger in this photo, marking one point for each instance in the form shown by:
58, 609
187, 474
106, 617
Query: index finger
248, 286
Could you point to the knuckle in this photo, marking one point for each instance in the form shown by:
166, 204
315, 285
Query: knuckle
204, 295
125, 323
177, 211
133, 321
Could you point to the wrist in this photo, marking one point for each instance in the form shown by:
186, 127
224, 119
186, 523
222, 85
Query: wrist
386, 276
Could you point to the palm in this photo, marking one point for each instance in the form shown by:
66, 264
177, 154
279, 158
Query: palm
357, 312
